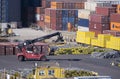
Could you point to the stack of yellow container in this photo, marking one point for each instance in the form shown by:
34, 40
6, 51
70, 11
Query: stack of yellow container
101, 40
114, 43
84, 37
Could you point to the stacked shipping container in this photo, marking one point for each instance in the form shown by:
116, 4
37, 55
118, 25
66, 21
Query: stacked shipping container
114, 23
58, 19
100, 21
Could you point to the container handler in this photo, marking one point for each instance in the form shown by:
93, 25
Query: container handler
28, 49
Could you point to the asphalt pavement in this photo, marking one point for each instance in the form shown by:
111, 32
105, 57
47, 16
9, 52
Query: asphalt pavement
102, 66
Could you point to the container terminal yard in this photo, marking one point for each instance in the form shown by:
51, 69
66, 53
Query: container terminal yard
57, 39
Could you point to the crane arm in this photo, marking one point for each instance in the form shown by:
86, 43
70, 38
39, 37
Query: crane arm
28, 42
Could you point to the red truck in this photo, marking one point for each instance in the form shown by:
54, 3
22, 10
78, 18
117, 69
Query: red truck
29, 50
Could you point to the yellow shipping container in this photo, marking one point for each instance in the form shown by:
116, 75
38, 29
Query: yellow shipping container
103, 37
114, 43
56, 5
85, 34
87, 40
94, 42
101, 43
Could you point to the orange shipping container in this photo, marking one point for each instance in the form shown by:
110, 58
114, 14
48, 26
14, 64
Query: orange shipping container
118, 8
47, 19
115, 26
56, 5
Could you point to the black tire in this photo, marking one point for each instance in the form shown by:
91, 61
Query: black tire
43, 58
21, 58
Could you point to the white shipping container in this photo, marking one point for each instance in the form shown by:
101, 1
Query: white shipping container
82, 13
92, 5
82, 28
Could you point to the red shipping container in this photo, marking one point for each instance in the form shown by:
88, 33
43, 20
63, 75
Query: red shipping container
56, 13
99, 18
115, 17
99, 26
2, 50
41, 24
111, 32
9, 50
47, 11
39, 10
96, 31
56, 26
47, 25
46, 3
105, 10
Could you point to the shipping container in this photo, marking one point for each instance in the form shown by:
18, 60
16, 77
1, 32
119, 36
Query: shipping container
39, 10
115, 26
71, 20
118, 8
56, 5
99, 26
56, 13
115, 17
112, 32
82, 13
82, 28
114, 43
98, 18
105, 10
83, 22
47, 19
47, 25
48, 11
41, 24
96, 31
46, 3
64, 13
91, 5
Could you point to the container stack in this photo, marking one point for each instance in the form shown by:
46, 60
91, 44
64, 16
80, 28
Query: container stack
100, 21
60, 19
39, 15
114, 23
63, 15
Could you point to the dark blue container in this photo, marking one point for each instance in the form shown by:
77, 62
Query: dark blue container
64, 26
71, 20
64, 19
64, 13
76, 13
83, 22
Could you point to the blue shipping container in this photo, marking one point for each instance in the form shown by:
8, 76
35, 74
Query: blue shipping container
64, 26
64, 13
76, 13
71, 20
83, 22
64, 19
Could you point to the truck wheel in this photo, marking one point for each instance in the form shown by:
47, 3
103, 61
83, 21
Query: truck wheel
43, 58
21, 58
